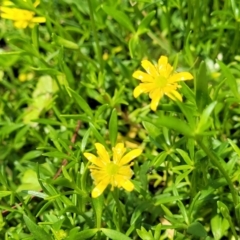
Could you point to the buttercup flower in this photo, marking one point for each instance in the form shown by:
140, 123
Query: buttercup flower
22, 18
159, 80
117, 172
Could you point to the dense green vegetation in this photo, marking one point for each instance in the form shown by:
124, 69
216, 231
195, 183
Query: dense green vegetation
66, 84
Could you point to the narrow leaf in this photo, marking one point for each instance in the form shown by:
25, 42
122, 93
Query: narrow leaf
202, 96
143, 26
36, 231
172, 123
113, 127
81, 103
231, 81
119, 16
115, 235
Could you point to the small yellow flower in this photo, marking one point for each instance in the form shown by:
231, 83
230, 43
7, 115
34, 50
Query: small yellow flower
159, 80
117, 172
22, 18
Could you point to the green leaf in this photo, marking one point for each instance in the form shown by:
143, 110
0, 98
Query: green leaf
204, 118
50, 71
133, 44
183, 211
63, 42
166, 211
185, 157
48, 121
5, 193
85, 140
231, 81
159, 159
9, 128
85, 234
180, 177
197, 230
157, 231
187, 51
98, 204
234, 146
36, 231
187, 92
113, 127
189, 112
143, 26
172, 123
35, 193
114, 235
81, 103
144, 234
166, 199
35, 36
202, 96
218, 226
236, 11
138, 212
119, 16
223, 209
31, 155
97, 134
57, 154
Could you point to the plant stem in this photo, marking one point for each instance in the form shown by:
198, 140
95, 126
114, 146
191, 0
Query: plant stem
99, 50
115, 194
215, 161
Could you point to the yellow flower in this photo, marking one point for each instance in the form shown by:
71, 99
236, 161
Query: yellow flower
117, 172
22, 18
159, 80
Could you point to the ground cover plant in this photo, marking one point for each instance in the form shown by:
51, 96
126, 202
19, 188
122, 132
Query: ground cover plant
119, 119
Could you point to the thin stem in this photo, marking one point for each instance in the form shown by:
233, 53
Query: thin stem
215, 161
220, 35
115, 194
99, 50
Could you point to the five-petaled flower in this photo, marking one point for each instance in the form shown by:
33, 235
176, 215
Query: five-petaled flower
159, 80
117, 172
22, 18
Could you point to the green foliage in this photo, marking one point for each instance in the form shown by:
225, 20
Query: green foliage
67, 83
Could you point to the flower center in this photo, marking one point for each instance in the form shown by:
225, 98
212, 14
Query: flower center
161, 81
112, 169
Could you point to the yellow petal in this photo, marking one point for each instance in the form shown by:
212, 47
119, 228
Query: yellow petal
174, 95
118, 152
128, 185
125, 171
39, 19
149, 68
102, 153
7, 16
91, 158
137, 91
98, 190
183, 76
97, 175
6, 10
162, 62
156, 96
142, 76
143, 88
130, 156
164, 68
20, 24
